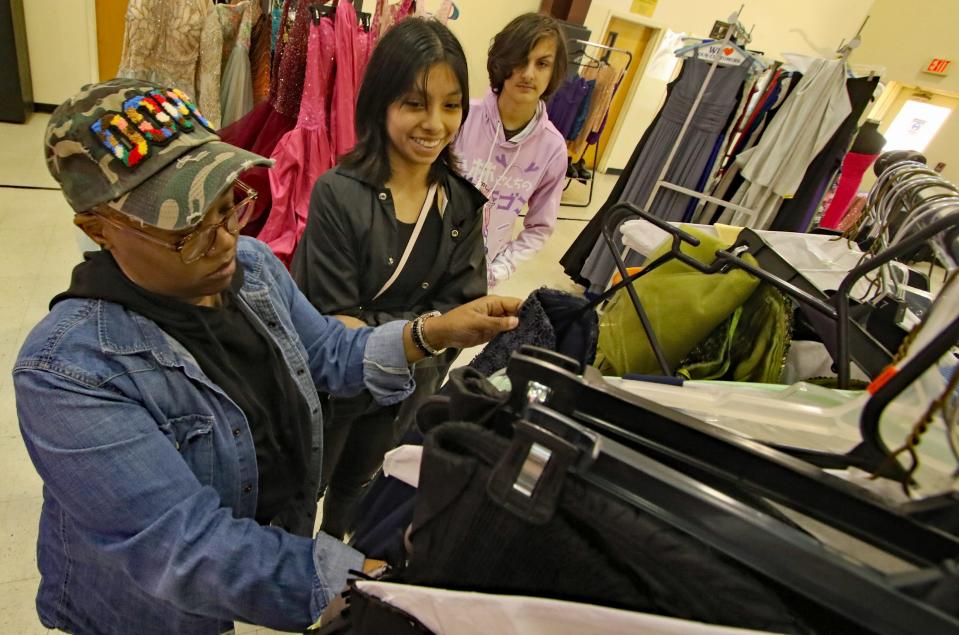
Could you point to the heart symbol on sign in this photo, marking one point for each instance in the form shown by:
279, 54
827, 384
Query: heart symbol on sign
728, 51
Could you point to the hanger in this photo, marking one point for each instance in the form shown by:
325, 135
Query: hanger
576, 57
726, 46
323, 10
593, 62
637, 453
724, 259
906, 196
872, 453
886, 199
845, 48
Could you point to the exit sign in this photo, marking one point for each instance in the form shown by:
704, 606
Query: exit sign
938, 66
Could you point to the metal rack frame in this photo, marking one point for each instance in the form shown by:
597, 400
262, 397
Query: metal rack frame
592, 179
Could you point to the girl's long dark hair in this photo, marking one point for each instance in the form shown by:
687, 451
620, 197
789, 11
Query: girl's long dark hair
407, 50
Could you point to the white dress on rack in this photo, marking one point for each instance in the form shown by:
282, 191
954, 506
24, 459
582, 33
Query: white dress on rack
236, 83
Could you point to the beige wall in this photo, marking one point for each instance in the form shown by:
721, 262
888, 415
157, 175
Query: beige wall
61, 41
811, 27
479, 21
905, 43
945, 148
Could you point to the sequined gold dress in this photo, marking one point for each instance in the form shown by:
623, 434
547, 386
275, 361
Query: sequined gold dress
161, 42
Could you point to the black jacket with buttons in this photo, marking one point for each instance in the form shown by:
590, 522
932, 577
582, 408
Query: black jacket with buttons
351, 246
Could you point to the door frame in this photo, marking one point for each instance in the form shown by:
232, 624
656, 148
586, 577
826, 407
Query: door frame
895, 90
658, 29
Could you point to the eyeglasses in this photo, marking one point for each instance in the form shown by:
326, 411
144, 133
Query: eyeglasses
198, 243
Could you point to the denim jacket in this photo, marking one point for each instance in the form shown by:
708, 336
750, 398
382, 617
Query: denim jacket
149, 470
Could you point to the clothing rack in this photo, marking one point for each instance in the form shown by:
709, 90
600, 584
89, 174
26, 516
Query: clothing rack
845, 48
661, 182
609, 48
942, 228
734, 29
920, 206
724, 259
562, 422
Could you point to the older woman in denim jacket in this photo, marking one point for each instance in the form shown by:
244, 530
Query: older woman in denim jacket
169, 399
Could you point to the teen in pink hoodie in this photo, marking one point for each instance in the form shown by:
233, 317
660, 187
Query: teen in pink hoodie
508, 147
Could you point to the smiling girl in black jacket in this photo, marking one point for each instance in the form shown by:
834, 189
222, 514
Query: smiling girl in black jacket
393, 232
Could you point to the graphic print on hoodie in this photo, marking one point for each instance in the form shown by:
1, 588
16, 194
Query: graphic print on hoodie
528, 170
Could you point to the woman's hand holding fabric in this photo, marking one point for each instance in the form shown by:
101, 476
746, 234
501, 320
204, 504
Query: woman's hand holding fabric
473, 323
467, 325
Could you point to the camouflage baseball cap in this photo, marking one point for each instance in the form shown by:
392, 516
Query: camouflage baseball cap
143, 149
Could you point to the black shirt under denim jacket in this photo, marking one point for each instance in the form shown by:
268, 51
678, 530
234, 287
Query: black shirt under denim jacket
238, 356
352, 244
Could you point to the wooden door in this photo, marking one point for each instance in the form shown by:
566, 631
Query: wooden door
111, 22
634, 38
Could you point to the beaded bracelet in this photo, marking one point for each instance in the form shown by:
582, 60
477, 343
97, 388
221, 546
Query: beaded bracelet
416, 331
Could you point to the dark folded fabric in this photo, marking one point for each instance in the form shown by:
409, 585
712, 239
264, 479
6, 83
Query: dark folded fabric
387, 508
550, 319
369, 615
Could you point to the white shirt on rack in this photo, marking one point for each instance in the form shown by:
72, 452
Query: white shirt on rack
775, 167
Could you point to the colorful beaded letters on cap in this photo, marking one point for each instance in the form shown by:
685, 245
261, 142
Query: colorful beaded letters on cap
144, 112
111, 128
154, 118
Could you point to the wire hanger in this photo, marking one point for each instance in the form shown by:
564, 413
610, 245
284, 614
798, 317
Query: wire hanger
578, 56
871, 454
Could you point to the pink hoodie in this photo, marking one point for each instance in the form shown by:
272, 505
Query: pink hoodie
529, 169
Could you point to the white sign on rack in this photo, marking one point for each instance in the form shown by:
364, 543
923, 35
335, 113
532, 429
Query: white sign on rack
724, 54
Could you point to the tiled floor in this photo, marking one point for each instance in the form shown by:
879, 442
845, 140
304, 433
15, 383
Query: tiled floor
38, 249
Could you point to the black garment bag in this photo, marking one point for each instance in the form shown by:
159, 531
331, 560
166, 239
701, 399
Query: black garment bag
489, 503
562, 537
633, 435
671, 435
